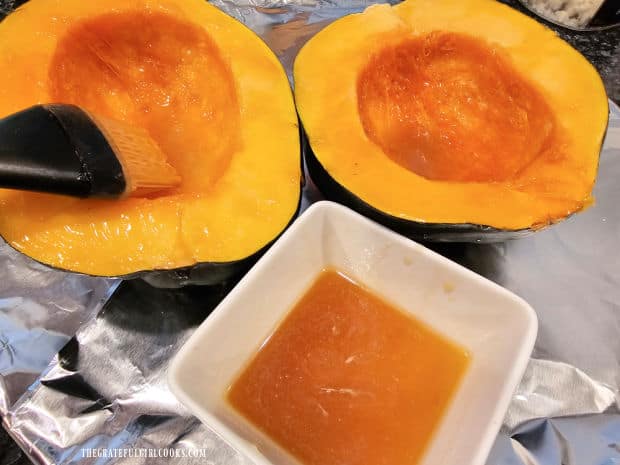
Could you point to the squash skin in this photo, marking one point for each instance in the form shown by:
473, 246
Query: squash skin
409, 223
206, 273
199, 274
416, 230
216, 273
432, 232
210, 272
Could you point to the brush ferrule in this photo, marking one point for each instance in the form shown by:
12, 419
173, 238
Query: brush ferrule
100, 165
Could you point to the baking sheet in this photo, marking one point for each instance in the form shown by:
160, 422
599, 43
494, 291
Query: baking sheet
107, 386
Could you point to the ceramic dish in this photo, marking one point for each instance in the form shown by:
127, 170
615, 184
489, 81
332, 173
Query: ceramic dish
495, 326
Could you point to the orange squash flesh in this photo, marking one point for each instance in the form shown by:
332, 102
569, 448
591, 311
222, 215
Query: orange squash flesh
459, 112
122, 64
208, 91
436, 105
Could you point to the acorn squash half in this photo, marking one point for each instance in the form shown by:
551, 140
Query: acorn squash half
207, 89
451, 120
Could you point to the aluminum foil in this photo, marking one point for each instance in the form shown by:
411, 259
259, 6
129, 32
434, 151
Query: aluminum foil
106, 388
40, 310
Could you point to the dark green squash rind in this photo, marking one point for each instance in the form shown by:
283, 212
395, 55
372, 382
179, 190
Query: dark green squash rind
432, 232
214, 273
203, 273
208, 273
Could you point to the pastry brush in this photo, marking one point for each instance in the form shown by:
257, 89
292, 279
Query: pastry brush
62, 149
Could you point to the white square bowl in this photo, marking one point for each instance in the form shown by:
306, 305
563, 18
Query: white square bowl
495, 326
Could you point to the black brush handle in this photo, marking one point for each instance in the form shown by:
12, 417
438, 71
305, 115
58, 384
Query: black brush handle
58, 149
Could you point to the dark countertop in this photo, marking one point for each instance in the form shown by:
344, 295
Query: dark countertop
10, 454
602, 48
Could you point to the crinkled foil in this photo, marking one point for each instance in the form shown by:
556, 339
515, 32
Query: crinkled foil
40, 310
107, 387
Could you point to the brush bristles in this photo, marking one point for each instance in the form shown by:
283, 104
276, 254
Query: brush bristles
145, 166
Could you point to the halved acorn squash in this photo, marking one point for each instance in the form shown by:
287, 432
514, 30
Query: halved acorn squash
208, 90
451, 120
